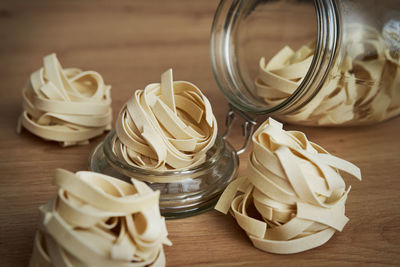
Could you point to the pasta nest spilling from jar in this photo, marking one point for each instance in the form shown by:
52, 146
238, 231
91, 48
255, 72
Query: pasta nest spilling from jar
97, 220
167, 126
363, 84
293, 196
65, 105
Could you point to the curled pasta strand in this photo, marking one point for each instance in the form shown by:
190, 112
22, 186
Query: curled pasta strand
295, 188
97, 220
65, 105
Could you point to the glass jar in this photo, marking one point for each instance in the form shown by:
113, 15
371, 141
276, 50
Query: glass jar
321, 62
182, 193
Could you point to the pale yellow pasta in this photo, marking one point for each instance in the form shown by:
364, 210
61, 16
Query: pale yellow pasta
168, 125
65, 105
363, 85
293, 197
97, 220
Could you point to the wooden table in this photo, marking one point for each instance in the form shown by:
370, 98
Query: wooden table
130, 43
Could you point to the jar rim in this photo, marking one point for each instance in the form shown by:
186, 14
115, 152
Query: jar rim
213, 155
222, 44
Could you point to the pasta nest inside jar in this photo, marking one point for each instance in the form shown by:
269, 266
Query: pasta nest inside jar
362, 86
67, 105
293, 197
167, 126
97, 220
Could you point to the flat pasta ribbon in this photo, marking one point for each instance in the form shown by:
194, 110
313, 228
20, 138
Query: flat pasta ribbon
363, 84
65, 105
168, 125
281, 76
97, 220
293, 196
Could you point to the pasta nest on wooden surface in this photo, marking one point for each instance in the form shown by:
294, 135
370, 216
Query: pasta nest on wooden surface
67, 105
293, 197
98, 220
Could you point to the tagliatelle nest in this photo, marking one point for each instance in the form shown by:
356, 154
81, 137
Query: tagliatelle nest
295, 189
167, 126
66, 105
362, 86
97, 220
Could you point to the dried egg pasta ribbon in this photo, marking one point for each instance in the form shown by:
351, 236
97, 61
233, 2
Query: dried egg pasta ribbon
165, 126
295, 187
281, 76
65, 105
364, 87
97, 220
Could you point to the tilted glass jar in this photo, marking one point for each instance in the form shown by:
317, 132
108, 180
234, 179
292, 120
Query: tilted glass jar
322, 62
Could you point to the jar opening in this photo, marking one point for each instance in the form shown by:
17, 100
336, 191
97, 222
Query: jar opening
212, 156
244, 32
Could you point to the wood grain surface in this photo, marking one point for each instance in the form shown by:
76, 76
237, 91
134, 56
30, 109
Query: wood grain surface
130, 43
